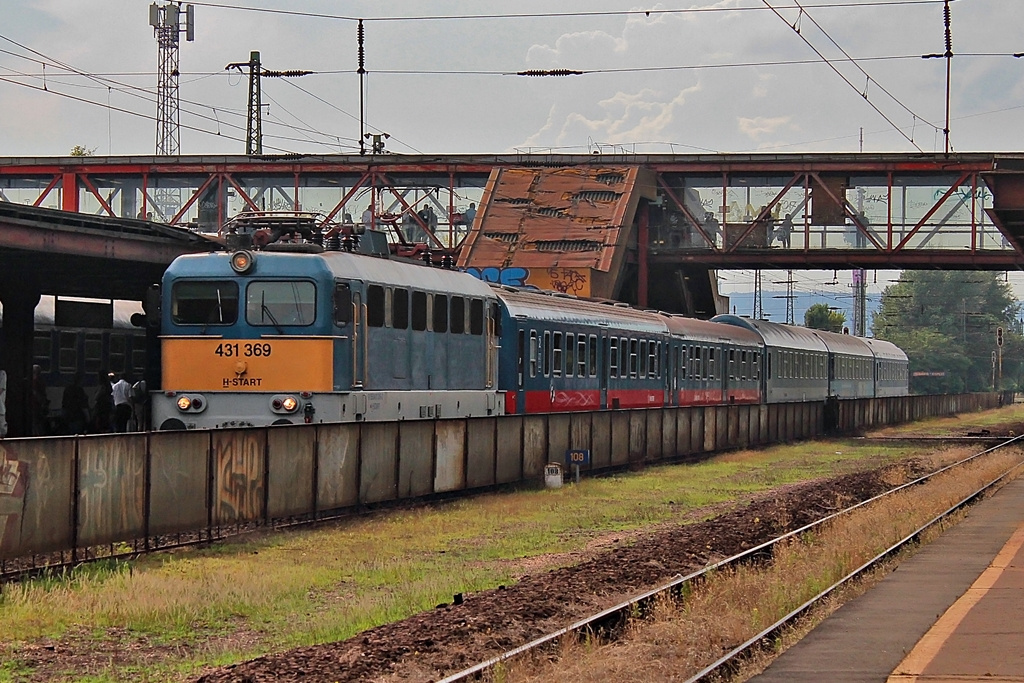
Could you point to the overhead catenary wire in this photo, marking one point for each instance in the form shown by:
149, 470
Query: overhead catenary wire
843, 76
546, 15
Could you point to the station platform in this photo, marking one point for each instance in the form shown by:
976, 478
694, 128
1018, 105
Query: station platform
951, 613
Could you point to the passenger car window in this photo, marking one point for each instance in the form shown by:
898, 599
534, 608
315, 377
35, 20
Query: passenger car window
375, 306
440, 313
419, 311
342, 303
458, 321
400, 309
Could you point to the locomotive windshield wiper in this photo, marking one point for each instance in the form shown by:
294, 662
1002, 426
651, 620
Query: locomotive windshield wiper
267, 314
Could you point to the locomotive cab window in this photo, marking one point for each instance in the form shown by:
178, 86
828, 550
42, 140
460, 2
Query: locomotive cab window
278, 303
476, 317
208, 302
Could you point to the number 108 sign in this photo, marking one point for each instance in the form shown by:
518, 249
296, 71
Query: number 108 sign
579, 456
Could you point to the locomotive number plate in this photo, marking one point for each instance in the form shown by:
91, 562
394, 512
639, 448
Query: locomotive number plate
243, 349
217, 364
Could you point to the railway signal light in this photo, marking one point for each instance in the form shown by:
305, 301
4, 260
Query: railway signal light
999, 336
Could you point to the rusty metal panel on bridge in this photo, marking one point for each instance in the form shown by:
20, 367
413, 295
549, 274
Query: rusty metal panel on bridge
290, 483
416, 459
337, 466
35, 495
450, 444
480, 460
179, 481
509, 449
556, 227
378, 480
238, 475
111, 488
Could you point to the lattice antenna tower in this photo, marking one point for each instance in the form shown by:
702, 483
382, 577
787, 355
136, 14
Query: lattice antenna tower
169, 22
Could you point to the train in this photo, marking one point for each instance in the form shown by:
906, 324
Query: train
87, 340
295, 333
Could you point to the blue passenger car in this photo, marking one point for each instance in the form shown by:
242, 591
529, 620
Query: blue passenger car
560, 353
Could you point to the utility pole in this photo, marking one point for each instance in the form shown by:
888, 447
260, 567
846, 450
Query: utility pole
860, 302
789, 282
758, 313
948, 56
166, 21
254, 125
362, 77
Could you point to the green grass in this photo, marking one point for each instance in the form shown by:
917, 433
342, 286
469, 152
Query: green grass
279, 590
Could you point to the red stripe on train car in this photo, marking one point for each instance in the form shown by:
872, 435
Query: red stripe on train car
562, 400
636, 398
700, 397
745, 396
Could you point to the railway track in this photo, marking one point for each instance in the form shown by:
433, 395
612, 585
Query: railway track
606, 621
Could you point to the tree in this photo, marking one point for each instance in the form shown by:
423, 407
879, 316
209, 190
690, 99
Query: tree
946, 322
821, 317
82, 151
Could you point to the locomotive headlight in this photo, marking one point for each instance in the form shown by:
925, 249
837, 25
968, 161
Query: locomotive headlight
284, 404
184, 403
242, 261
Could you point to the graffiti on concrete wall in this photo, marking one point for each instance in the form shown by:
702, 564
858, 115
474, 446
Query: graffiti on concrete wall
239, 484
13, 479
574, 281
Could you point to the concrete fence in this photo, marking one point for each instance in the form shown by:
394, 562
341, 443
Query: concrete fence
71, 493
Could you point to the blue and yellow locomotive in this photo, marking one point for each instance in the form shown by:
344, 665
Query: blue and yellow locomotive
303, 335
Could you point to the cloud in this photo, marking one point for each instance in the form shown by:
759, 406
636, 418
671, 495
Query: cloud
759, 126
621, 119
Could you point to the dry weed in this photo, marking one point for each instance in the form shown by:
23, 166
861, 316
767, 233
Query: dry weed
678, 639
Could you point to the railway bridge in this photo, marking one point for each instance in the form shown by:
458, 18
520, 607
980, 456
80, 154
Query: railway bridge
647, 229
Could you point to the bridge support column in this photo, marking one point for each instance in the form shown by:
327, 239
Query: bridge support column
642, 249
19, 302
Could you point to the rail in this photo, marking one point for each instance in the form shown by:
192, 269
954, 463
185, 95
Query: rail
618, 614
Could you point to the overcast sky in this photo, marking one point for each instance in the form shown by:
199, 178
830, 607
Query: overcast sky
728, 76
655, 89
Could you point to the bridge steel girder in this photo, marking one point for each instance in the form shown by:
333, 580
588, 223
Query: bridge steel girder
1001, 173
